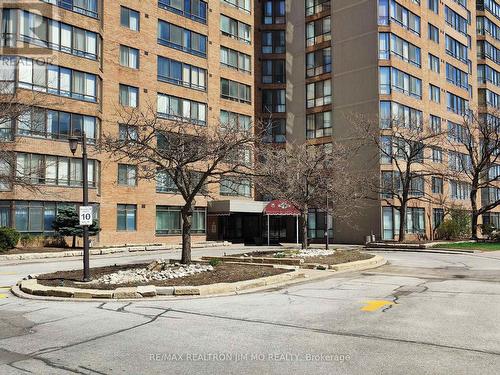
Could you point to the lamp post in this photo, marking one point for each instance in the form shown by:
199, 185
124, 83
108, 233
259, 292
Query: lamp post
326, 224
73, 146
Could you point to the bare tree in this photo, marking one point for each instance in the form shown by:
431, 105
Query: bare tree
476, 160
406, 147
305, 175
189, 156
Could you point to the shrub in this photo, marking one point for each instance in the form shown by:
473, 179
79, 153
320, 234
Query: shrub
487, 229
495, 236
28, 240
214, 262
9, 238
456, 226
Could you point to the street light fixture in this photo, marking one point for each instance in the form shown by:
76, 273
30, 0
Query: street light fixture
73, 146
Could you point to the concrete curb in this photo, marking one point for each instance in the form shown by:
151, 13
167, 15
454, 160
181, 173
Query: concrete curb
110, 250
30, 289
428, 250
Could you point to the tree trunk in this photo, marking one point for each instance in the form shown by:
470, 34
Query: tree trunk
475, 214
304, 228
73, 243
402, 223
187, 222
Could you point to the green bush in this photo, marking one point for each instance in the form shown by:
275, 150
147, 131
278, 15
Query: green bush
9, 238
495, 236
456, 225
214, 262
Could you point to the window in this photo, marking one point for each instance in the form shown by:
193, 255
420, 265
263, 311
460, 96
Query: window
316, 6
458, 162
435, 123
55, 170
397, 80
316, 224
434, 64
456, 49
234, 59
169, 220
127, 132
319, 62
126, 217
437, 154
129, 95
127, 175
319, 125
415, 220
87, 7
23, 26
232, 120
274, 12
56, 80
433, 5
179, 109
235, 29
318, 31
319, 93
490, 5
455, 20
437, 185
182, 39
52, 124
273, 41
273, 71
487, 27
434, 93
129, 18
236, 91
486, 73
457, 104
235, 187
459, 190
194, 9
399, 15
273, 101
391, 44
433, 33
243, 5
457, 133
457, 77
165, 183
129, 57
488, 98
437, 216
181, 74
399, 115
275, 132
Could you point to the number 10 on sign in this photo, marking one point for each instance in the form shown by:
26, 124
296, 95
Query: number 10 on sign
86, 215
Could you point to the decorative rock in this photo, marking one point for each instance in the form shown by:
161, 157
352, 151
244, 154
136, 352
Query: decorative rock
122, 293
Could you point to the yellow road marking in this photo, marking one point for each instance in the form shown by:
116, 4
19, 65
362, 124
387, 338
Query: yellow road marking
3, 296
375, 305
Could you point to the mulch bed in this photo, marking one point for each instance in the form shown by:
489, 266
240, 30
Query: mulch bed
223, 273
30, 250
340, 256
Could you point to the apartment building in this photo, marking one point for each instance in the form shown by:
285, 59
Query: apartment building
89, 60
425, 61
300, 65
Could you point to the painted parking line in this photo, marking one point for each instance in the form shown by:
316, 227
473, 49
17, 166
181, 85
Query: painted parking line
376, 305
3, 291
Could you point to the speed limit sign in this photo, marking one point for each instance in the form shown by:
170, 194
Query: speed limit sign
85, 215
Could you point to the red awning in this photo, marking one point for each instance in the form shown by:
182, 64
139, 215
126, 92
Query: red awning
281, 207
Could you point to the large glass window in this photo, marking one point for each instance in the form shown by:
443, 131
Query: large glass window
129, 57
319, 93
235, 29
236, 187
129, 96
319, 62
273, 41
175, 108
319, 125
236, 91
127, 175
274, 12
318, 31
126, 217
129, 18
194, 9
274, 101
177, 37
86, 7
182, 74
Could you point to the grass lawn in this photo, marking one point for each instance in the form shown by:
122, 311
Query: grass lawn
470, 246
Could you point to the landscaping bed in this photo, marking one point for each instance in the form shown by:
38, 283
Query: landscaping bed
483, 246
327, 257
221, 273
38, 250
